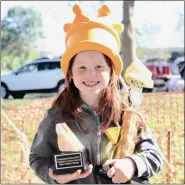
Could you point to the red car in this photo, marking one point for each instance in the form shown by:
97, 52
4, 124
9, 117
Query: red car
162, 71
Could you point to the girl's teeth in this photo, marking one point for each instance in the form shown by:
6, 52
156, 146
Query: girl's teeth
90, 83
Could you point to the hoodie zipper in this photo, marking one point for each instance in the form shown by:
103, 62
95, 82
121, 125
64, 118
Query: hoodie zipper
98, 162
99, 146
98, 140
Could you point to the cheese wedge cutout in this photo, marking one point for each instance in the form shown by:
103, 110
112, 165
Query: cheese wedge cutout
64, 131
113, 134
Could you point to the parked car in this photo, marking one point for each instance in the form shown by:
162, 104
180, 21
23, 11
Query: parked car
160, 72
176, 83
163, 72
39, 76
180, 62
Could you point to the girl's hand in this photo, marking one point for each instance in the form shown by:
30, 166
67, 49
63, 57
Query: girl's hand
62, 179
122, 170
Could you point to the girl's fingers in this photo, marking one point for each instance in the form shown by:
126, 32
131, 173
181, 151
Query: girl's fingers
115, 179
76, 174
50, 173
69, 177
109, 162
87, 173
64, 178
111, 172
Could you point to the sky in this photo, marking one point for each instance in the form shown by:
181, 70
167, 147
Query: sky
156, 19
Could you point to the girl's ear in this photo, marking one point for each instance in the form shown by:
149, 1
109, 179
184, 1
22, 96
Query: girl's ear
70, 77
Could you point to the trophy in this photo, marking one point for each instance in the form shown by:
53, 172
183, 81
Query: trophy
125, 136
73, 155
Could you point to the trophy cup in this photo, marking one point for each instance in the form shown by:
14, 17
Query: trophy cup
73, 155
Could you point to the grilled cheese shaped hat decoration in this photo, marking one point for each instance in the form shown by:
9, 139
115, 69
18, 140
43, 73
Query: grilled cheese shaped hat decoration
99, 34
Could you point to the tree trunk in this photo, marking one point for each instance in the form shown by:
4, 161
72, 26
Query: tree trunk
127, 45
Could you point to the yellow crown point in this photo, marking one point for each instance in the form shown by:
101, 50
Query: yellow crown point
80, 17
118, 27
67, 27
103, 11
77, 9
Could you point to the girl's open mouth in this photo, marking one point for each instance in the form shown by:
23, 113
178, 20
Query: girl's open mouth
91, 84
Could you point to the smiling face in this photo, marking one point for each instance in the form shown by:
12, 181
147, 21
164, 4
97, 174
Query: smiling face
90, 73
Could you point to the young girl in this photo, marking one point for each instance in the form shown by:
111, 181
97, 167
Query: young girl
92, 101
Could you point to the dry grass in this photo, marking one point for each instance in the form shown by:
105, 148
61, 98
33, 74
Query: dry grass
165, 113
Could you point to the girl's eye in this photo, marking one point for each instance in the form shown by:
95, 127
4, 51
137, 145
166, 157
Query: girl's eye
99, 67
82, 67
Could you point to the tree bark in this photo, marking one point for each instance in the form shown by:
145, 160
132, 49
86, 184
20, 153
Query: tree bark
127, 44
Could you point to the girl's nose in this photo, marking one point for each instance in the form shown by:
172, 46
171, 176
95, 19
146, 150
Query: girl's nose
92, 72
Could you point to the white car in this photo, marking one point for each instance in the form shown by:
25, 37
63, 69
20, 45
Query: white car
38, 76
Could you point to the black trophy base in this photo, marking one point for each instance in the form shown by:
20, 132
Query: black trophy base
70, 162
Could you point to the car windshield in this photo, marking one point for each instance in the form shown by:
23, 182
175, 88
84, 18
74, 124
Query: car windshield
17, 69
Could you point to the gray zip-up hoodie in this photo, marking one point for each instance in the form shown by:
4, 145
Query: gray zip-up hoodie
87, 128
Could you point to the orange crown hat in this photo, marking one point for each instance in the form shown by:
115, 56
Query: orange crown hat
99, 34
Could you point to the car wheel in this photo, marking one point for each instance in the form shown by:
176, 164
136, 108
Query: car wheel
60, 86
147, 90
18, 95
4, 91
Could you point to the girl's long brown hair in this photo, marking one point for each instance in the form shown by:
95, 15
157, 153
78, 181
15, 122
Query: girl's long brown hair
113, 98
